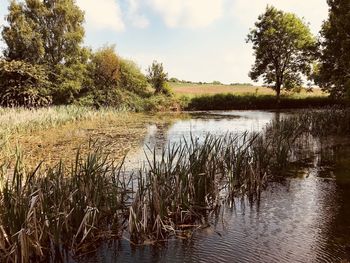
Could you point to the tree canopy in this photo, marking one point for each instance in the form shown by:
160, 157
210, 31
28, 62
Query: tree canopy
48, 33
283, 47
334, 69
157, 77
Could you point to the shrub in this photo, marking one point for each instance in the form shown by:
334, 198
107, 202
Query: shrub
157, 77
131, 77
23, 84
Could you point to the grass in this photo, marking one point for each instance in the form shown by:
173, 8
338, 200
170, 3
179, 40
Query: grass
193, 90
245, 102
20, 120
238, 97
47, 211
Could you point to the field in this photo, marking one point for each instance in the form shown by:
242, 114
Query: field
193, 89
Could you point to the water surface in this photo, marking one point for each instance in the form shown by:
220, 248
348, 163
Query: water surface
305, 218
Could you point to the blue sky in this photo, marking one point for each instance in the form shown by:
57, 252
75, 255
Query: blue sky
198, 40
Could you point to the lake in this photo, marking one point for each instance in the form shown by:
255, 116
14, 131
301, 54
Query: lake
305, 218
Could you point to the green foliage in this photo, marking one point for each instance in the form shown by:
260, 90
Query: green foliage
175, 80
157, 77
104, 68
216, 82
48, 33
102, 76
113, 81
23, 84
334, 71
248, 102
284, 49
131, 77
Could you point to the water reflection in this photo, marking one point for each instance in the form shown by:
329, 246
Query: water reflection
303, 219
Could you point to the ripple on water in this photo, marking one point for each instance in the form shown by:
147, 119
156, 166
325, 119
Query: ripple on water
299, 221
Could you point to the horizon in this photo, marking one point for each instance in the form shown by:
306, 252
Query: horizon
197, 40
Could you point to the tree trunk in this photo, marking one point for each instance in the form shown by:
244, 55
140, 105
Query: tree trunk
278, 93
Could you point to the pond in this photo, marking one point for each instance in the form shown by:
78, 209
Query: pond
305, 218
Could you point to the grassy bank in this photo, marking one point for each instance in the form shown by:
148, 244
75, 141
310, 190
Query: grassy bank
194, 96
45, 211
257, 102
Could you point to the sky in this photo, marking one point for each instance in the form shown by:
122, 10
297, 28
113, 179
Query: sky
197, 40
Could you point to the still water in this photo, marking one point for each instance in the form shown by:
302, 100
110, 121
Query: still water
305, 218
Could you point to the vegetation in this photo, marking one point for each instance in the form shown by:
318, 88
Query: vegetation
195, 89
45, 212
45, 63
49, 34
23, 84
157, 77
258, 102
334, 68
284, 49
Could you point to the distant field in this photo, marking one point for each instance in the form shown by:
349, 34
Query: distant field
191, 90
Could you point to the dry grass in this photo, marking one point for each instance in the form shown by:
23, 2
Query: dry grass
191, 90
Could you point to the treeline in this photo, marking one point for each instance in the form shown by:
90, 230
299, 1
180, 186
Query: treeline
44, 62
215, 82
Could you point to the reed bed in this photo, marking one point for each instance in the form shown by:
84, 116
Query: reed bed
24, 119
46, 212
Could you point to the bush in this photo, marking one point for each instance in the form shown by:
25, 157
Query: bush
157, 77
23, 84
131, 77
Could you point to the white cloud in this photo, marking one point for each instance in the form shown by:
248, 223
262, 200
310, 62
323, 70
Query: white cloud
102, 14
134, 16
188, 13
314, 11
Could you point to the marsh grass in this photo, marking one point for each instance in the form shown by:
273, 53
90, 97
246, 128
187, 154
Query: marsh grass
23, 119
45, 212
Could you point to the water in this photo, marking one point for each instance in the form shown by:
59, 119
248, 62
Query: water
305, 218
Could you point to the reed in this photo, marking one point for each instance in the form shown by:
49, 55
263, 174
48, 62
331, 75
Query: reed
44, 213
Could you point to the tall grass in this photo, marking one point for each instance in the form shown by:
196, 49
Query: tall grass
45, 212
23, 119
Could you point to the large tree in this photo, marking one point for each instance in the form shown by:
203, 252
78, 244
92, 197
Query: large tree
48, 33
334, 68
283, 47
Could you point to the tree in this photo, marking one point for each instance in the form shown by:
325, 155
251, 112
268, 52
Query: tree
23, 84
48, 33
334, 68
131, 78
284, 49
157, 77
104, 67
102, 77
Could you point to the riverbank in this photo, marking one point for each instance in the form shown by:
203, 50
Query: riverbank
256, 102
